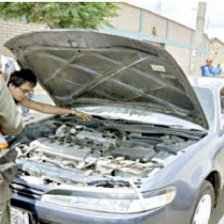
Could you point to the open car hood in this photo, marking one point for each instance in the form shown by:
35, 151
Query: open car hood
83, 67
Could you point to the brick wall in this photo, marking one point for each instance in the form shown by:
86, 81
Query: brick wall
11, 28
128, 18
152, 20
180, 33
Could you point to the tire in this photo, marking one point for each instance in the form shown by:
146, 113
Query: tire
204, 204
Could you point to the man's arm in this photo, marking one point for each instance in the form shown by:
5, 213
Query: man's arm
209, 72
11, 122
50, 109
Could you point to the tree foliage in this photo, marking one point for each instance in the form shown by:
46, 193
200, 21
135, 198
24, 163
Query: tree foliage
60, 14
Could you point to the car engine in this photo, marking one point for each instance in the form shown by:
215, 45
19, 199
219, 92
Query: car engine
65, 150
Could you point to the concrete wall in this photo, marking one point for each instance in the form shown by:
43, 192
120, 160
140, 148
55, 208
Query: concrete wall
152, 20
128, 18
182, 56
175, 37
179, 33
217, 51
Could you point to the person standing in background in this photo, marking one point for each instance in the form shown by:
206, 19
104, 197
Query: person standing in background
218, 71
207, 70
9, 65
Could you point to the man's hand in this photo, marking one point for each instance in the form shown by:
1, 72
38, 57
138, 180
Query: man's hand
83, 116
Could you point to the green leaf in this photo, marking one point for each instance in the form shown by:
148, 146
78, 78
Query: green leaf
61, 14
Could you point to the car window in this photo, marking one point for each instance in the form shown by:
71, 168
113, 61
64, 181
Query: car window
205, 97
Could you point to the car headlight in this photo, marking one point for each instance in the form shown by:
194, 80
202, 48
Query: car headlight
110, 200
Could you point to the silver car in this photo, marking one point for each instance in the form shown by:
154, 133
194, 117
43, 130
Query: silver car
153, 152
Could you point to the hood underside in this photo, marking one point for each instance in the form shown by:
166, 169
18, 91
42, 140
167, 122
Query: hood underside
82, 67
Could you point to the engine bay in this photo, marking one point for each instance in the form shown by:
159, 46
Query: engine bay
65, 150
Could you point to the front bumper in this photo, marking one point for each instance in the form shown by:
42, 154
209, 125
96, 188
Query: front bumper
46, 213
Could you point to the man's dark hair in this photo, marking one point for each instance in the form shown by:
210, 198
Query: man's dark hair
17, 78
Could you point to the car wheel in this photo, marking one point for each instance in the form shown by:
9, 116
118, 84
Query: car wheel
204, 204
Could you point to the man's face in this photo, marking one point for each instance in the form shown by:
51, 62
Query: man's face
209, 62
21, 92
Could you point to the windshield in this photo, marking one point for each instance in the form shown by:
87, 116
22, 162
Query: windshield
138, 115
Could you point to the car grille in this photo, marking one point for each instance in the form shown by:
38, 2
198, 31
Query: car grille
25, 190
